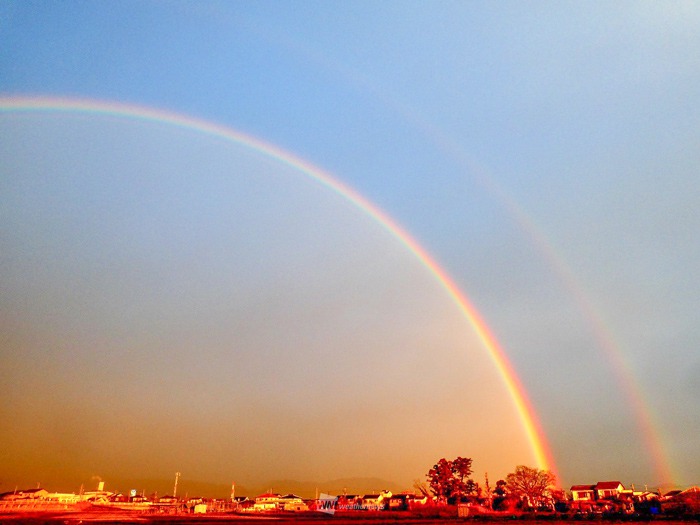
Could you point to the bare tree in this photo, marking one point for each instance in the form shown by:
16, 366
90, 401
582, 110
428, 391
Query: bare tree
533, 484
421, 487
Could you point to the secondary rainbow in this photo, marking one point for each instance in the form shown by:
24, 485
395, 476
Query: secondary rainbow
649, 430
528, 419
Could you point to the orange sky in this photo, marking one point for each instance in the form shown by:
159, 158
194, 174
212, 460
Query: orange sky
294, 339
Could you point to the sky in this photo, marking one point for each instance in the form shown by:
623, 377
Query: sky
172, 300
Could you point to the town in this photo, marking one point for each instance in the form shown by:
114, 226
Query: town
449, 493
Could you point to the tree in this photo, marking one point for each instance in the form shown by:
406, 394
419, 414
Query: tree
440, 479
533, 485
501, 499
421, 487
501, 487
450, 479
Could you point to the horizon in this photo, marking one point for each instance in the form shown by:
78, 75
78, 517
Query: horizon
304, 488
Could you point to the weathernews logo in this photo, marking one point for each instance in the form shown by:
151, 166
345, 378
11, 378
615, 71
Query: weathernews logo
329, 504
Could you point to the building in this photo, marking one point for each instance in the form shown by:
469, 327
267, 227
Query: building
27, 494
63, 497
266, 502
400, 501
603, 490
292, 503
608, 489
376, 501
583, 492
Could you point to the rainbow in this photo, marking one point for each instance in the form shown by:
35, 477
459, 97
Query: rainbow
645, 418
650, 430
538, 443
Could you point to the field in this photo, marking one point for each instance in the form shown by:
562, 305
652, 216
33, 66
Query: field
100, 516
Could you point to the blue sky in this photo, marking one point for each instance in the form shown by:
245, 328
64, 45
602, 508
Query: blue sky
461, 120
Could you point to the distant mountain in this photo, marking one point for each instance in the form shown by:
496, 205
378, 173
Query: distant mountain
307, 489
164, 487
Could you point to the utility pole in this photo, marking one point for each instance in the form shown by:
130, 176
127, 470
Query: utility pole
177, 477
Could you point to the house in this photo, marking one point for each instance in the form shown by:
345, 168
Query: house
690, 498
638, 495
27, 494
371, 500
97, 496
608, 489
348, 500
603, 490
291, 502
375, 501
670, 495
400, 501
583, 492
245, 505
266, 502
63, 497
417, 501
